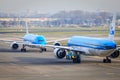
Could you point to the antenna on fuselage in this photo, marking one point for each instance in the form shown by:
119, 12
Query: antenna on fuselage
26, 26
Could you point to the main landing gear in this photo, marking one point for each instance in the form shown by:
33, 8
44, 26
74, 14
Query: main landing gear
75, 56
23, 49
42, 49
107, 60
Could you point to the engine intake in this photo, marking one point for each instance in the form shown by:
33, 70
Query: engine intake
60, 53
57, 44
115, 54
14, 46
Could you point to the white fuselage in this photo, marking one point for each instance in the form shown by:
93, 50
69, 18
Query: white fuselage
93, 52
92, 46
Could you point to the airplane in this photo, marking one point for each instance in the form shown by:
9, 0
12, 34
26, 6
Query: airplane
29, 40
89, 46
77, 46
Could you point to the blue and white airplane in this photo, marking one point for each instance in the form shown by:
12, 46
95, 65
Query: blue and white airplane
77, 45
89, 46
29, 40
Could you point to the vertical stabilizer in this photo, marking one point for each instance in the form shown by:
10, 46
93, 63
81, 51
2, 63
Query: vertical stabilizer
26, 25
112, 28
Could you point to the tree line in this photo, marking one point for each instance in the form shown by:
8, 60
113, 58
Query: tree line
64, 18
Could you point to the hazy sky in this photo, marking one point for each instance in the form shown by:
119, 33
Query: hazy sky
52, 6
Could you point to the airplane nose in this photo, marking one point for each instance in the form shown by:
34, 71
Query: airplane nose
112, 45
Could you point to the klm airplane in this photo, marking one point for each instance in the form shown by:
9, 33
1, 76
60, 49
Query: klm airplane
29, 40
77, 46
89, 46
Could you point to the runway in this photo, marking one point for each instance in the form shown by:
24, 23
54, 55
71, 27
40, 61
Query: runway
34, 65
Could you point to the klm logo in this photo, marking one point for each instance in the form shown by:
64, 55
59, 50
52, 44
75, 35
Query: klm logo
112, 30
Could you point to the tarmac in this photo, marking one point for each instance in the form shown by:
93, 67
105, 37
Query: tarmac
33, 65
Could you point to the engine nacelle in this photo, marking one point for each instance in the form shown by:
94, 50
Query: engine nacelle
59, 53
14, 45
57, 44
115, 54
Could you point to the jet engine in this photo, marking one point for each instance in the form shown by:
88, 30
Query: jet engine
60, 53
14, 45
115, 54
56, 44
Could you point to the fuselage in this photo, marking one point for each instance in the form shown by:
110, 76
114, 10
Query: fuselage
92, 46
35, 39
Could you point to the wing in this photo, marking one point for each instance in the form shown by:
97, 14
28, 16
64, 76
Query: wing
73, 48
58, 40
29, 44
10, 41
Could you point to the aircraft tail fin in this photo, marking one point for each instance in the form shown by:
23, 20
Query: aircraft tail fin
112, 28
26, 26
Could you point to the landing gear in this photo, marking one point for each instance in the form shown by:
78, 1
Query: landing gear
107, 60
76, 58
23, 49
42, 49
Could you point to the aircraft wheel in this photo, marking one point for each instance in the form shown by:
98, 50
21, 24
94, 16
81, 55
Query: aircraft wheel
41, 50
77, 59
44, 49
23, 50
107, 60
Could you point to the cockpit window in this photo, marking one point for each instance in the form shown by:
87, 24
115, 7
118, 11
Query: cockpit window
40, 40
108, 47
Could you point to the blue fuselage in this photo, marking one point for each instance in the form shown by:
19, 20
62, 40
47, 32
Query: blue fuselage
35, 39
95, 43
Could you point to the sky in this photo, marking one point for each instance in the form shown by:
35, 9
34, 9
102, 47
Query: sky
53, 6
